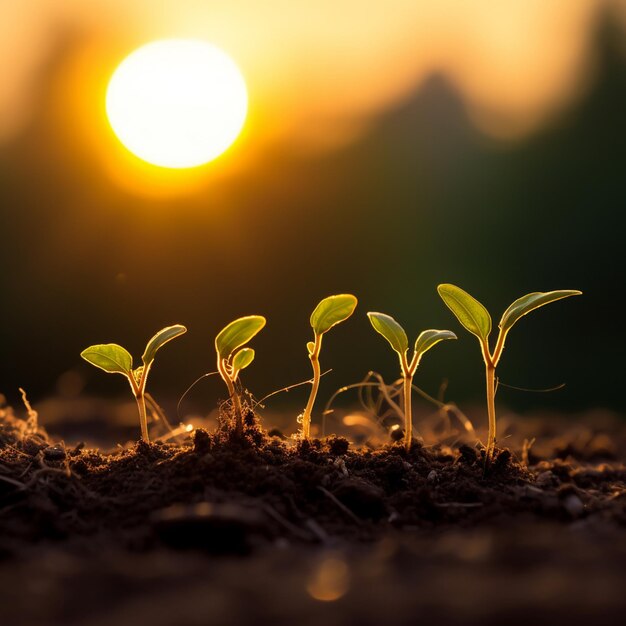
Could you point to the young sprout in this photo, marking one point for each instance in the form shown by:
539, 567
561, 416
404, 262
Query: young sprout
114, 359
328, 313
395, 335
476, 319
232, 357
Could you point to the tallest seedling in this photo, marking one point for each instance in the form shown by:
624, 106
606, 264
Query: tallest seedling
476, 319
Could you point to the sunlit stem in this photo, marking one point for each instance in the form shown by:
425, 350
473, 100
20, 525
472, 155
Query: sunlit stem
490, 375
234, 396
407, 375
143, 417
139, 389
315, 364
490, 380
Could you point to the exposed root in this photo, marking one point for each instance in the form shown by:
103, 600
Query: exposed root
380, 403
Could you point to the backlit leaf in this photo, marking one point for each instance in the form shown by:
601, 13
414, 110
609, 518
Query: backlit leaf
471, 313
238, 333
390, 330
530, 302
429, 338
159, 340
241, 360
109, 357
331, 311
310, 346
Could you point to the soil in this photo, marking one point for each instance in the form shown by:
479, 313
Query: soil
220, 529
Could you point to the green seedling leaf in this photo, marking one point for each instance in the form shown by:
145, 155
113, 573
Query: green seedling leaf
390, 330
237, 334
159, 340
241, 360
429, 338
310, 346
471, 313
531, 301
109, 357
331, 311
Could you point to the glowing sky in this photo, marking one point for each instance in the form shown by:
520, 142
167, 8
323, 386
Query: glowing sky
320, 71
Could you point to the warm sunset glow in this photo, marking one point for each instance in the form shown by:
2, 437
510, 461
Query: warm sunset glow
177, 103
322, 79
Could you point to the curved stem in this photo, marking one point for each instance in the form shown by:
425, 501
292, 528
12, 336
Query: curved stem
234, 396
315, 364
237, 404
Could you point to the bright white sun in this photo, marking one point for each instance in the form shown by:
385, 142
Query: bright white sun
177, 102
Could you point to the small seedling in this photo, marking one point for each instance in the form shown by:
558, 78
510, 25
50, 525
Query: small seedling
328, 313
476, 319
114, 359
232, 357
396, 336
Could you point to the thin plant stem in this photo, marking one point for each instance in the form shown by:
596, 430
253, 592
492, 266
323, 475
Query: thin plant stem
408, 414
237, 404
407, 374
315, 364
143, 417
138, 391
490, 380
490, 376
234, 396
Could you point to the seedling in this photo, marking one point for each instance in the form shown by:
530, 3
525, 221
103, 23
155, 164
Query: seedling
328, 313
232, 357
476, 319
114, 359
396, 336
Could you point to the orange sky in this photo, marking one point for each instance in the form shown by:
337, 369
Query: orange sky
318, 72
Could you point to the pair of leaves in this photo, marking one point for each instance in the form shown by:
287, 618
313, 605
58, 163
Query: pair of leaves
475, 317
235, 335
114, 359
332, 311
397, 338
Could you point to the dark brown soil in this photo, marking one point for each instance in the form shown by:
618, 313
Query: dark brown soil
225, 530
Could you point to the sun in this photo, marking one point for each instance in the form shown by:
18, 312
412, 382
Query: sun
177, 103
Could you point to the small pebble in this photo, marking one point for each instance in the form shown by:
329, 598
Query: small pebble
55, 452
432, 476
396, 434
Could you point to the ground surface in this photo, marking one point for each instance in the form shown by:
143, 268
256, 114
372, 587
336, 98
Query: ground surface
218, 530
